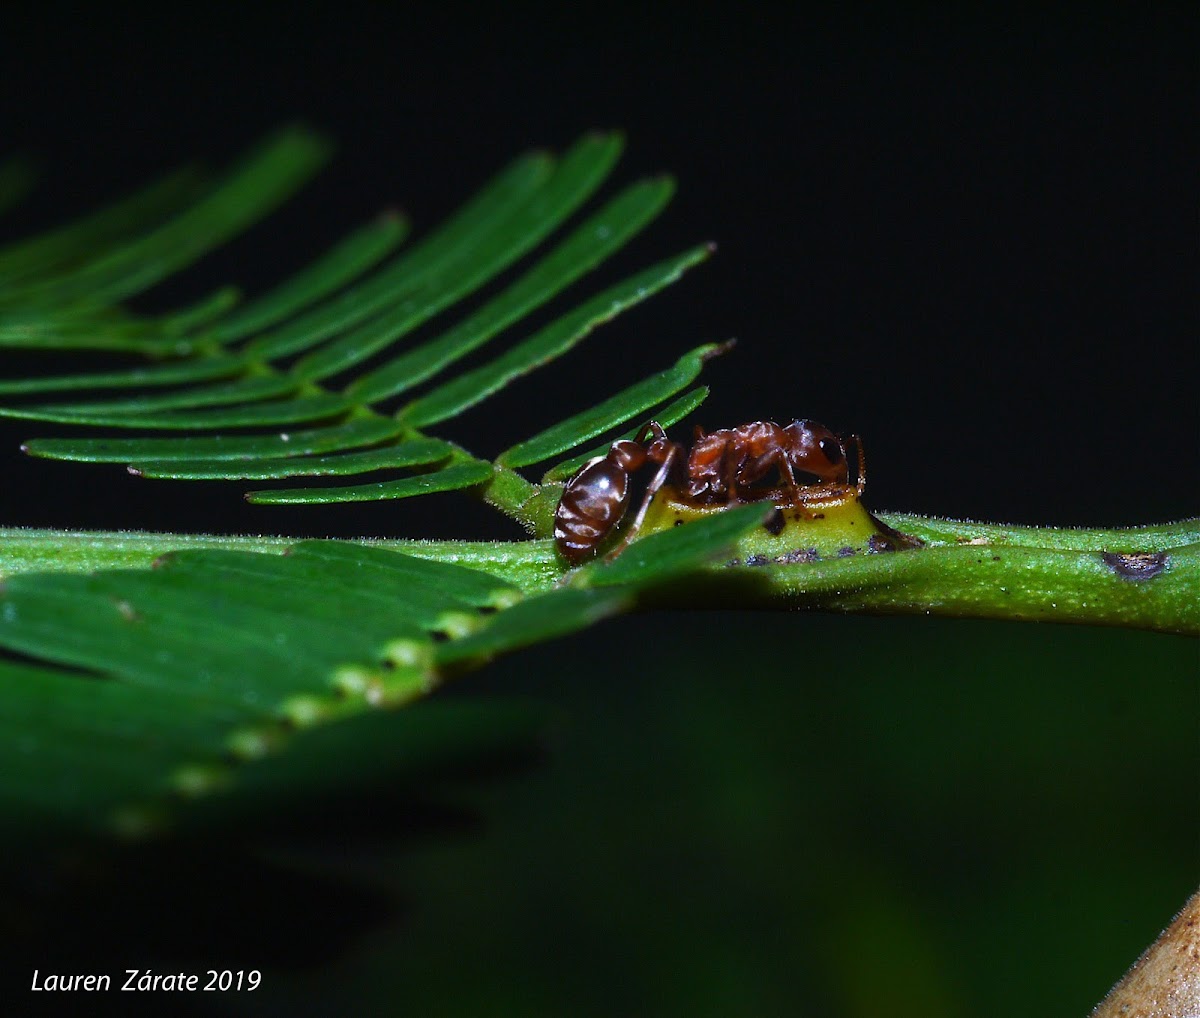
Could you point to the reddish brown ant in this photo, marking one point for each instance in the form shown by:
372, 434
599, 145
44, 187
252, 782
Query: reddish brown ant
722, 467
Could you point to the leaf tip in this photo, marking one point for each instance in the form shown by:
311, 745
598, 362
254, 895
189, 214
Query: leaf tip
606, 136
718, 349
393, 216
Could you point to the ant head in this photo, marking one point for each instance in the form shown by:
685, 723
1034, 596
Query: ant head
812, 447
816, 438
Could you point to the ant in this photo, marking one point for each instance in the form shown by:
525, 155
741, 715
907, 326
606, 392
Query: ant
721, 467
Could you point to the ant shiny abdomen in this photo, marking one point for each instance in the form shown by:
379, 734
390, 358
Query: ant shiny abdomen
723, 467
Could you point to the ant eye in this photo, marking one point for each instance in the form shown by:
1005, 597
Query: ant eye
831, 449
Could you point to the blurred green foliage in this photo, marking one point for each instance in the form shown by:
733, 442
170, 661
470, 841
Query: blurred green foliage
731, 814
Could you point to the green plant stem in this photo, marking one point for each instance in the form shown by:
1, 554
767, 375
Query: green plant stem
1144, 577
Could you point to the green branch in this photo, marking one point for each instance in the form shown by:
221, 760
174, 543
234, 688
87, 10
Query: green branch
848, 560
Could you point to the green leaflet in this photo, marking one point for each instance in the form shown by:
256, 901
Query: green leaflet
676, 552
197, 370
630, 403
207, 655
481, 254
465, 474
672, 413
358, 432
410, 453
59, 248
296, 410
150, 688
471, 586
350, 258
553, 341
243, 390
264, 179
398, 282
593, 241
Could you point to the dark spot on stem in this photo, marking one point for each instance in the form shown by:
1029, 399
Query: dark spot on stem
899, 541
1138, 567
757, 560
799, 555
846, 551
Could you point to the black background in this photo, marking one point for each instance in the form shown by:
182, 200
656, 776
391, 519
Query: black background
969, 239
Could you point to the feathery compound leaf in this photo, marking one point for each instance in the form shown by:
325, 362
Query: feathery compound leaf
181, 674
273, 363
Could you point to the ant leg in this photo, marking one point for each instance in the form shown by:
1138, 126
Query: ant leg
733, 469
659, 479
758, 468
789, 478
862, 464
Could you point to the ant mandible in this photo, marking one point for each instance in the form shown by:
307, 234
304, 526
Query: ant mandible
720, 467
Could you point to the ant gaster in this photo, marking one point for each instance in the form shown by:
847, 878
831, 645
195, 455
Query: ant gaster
722, 467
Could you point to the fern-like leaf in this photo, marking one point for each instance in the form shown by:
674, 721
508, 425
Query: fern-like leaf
307, 354
145, 689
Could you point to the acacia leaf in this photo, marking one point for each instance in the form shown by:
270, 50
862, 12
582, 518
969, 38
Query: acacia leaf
287, 385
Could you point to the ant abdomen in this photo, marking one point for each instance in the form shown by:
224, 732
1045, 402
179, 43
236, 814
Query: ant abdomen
594, 500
